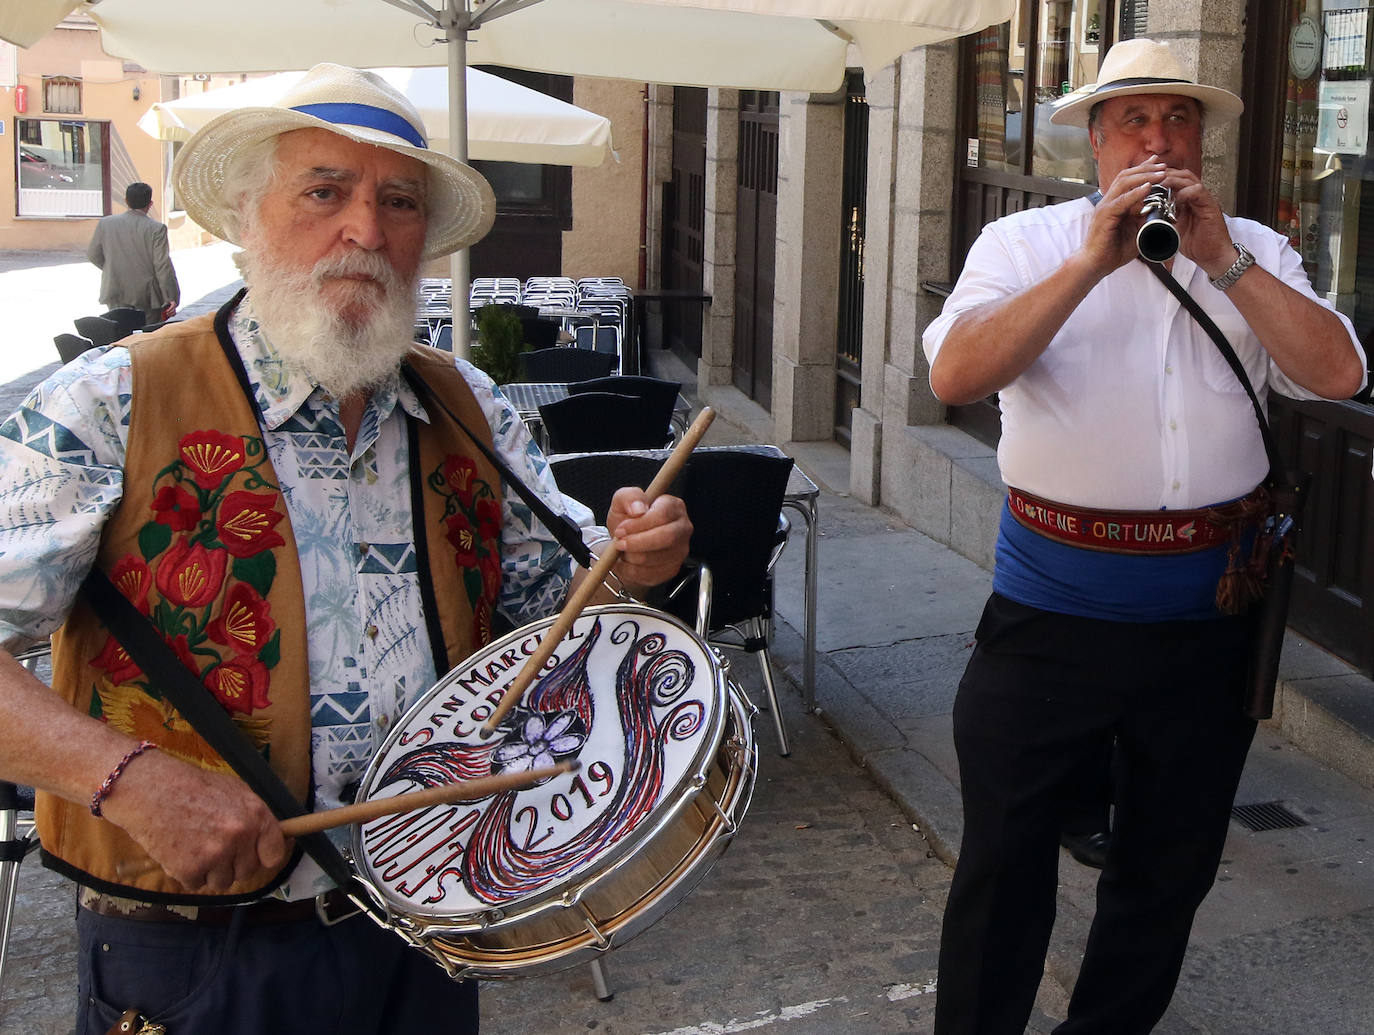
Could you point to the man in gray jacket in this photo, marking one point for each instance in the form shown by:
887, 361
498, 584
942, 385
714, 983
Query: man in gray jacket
130, 250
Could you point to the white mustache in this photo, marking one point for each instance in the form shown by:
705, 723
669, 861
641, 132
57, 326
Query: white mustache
354, 264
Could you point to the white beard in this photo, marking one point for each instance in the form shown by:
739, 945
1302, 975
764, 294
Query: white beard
354, 339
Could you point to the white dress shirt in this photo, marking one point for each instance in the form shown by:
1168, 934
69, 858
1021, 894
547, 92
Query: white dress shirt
1131, 406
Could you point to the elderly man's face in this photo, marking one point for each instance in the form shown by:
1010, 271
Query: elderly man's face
1129, 130
335, 196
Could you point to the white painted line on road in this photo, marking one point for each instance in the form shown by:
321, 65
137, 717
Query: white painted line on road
762, 1020
896, 993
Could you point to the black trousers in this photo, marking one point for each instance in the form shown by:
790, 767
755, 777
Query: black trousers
353, 978
1041, 699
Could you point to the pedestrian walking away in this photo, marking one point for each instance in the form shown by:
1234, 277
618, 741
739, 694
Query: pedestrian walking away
130, 250
314, 516
1134, 463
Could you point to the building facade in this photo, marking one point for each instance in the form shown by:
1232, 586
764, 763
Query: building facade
69, 119
871, 217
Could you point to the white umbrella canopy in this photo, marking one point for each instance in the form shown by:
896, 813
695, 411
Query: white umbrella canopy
745, 44
748, 44
506, 122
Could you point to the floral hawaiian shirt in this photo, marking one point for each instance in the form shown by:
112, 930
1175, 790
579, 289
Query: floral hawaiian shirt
62, 455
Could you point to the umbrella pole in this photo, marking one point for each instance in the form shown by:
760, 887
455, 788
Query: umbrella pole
456, 33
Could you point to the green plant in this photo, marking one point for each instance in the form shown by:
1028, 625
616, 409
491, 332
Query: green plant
500, 340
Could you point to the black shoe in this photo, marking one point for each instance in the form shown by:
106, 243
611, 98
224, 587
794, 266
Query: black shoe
1089, 849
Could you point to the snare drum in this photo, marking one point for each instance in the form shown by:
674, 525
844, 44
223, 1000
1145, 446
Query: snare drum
536, 880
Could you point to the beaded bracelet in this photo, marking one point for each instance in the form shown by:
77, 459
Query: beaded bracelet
103, 791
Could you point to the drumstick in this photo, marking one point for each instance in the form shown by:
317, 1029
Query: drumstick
589, 585
361, 812
443, 794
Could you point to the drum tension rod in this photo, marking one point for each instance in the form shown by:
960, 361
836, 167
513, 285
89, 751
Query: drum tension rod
726, 820
602, 942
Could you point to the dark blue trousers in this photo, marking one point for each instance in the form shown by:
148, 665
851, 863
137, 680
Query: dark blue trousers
353, 978
1041, 699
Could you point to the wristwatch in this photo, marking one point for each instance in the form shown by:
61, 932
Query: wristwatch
1244, 260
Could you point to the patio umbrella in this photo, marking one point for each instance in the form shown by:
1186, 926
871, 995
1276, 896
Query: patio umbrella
746, 44
506, 122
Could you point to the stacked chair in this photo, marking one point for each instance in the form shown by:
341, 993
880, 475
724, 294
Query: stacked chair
550, 292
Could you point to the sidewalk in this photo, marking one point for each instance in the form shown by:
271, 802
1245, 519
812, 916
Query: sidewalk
1284, 942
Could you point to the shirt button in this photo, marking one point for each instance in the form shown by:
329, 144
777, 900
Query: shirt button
363, 548
371, 632
383, 722
1168, 369
1173, 425
1177, 486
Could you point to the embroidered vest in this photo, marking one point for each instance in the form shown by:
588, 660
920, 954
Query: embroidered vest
202, 544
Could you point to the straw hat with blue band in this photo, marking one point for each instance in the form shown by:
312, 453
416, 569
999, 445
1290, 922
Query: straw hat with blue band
1142, 66
356, 104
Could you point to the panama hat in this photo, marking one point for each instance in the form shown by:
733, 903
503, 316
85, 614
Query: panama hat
353, 103
1143, 66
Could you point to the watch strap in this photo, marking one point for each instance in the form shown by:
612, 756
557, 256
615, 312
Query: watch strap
1244, 260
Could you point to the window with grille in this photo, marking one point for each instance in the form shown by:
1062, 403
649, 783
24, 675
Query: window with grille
61, 95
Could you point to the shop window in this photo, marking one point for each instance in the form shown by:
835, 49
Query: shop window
1322, 205
61, 168
61, 95
1023, 66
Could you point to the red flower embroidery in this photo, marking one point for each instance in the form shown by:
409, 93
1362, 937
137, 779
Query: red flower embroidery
247, 523
489, 518
241, 685
132, 578
176, 508
481, 623
115, 662
458, 473
244, 624
190, 576
460, 533
212, 455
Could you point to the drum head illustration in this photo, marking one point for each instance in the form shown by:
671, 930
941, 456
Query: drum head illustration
630, 694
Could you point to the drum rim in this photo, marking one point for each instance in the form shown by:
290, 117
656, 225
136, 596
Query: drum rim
692, 872
671, 802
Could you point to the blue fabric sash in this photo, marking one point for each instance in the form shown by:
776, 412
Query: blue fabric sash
1039, 572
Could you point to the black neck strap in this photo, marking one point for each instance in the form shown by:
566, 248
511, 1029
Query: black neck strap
1227, 352
562, 528
1223, 346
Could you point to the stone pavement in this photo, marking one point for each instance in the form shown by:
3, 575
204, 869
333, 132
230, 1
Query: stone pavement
1284, 944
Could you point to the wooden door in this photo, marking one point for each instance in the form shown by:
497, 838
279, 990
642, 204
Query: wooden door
684, 223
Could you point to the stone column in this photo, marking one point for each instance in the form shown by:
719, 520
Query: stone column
805, 303
1209, 38
660, 171
865, 447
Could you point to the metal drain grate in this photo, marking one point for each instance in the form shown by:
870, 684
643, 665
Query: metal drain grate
1269, 815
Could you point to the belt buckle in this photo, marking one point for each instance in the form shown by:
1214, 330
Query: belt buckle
331, 910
